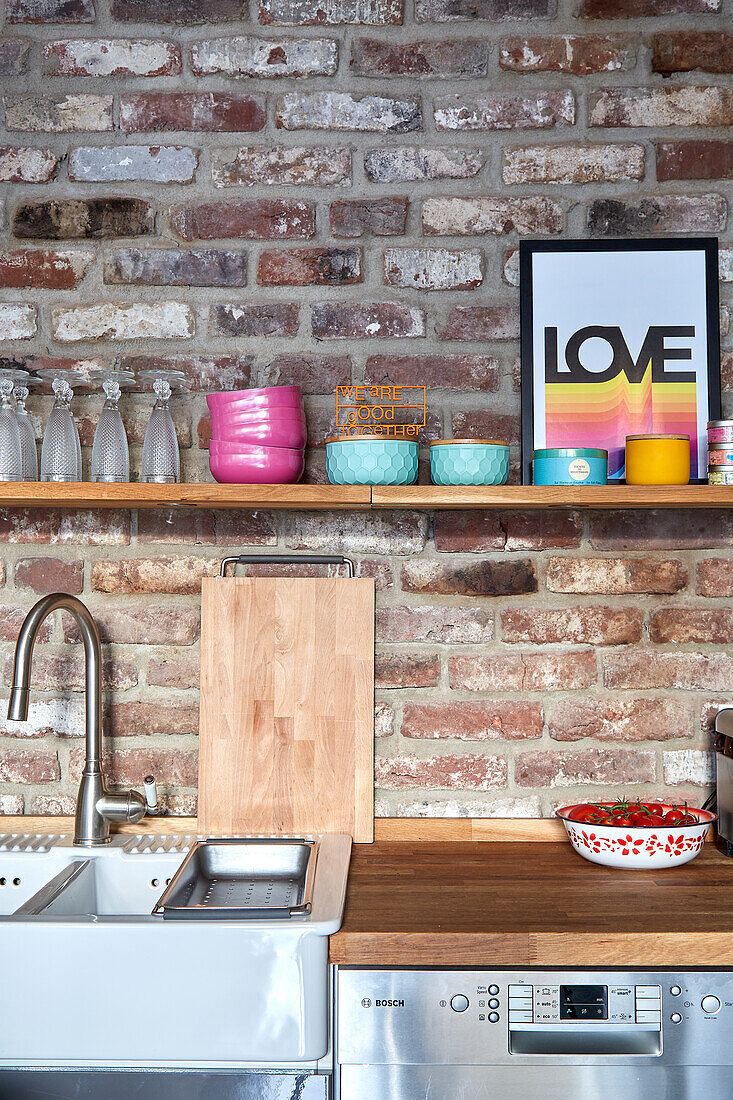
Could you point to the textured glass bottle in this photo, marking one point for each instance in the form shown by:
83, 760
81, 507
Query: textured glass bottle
29, 451
110, 451
11, 458
61, 448
161, 460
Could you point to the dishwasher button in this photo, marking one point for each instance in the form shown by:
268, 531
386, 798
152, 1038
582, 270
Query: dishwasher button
675, 1017
493, 1017
493, 990
710, 1004
493, 1003
675, 990
459, 1003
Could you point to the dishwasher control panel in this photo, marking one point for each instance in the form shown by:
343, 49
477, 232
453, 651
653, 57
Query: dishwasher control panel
473, 1017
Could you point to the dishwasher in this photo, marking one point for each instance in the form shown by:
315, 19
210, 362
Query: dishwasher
463, 1034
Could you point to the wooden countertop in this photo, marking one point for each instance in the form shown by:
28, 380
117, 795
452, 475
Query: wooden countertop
515, 904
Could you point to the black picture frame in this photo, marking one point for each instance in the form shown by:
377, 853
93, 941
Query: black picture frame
527, 249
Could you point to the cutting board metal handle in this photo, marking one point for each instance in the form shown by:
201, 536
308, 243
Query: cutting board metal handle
287, 559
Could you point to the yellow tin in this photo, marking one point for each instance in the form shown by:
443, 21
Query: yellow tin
657, 459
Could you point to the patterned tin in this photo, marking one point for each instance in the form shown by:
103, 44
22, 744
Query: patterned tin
720, 475
720, 431
720, 454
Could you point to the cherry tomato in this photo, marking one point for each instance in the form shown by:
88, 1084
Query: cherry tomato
582, 810
653, 807
655, 820
639, 820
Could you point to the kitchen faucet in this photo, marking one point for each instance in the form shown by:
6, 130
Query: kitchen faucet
95, 806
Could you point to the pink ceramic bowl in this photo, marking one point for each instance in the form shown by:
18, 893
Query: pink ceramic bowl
257, 465
279, 434
268, 398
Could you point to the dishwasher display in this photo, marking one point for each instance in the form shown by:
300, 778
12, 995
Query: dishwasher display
558, 1035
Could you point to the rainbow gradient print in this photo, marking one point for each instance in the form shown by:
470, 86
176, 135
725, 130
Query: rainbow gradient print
602, 414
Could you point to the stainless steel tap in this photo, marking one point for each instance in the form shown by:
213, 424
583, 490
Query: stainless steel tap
95, 806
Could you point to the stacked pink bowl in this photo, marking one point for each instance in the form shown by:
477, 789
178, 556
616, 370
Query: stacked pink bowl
258, 436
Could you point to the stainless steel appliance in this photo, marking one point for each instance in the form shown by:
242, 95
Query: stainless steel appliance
724, 779
531, 1034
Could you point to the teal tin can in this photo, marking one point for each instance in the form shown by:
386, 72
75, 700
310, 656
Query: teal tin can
570, 466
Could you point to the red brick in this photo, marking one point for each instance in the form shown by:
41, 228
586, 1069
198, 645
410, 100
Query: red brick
175, 576
523, 672
203, 372
143, 719
442, 625
171, 767
314, 374
689, 766
595, 625
54, 805
58, 114
57, 717
12, 804
658, 214
695, 160
266, 319
482, 578
615, 575
683, 51
406, 670
471, 772
450, 57
433, 268
481, 323
384, 532
152, 625
281, 165
183, 525
338, 110
691, 624
451, 215
437, 372
662, 529
45, 575
644, 670
366, 320
383, 217
448, 11
715, 577
253, 219
476, 531
195, 112
591, 766
178, 11
484, 424
56, 671
181, 805
309, 267
175, 267
625, 9
620, 720
11, 620
31, 766
538, 111
44, 269
43, 525
579, 55
242, 528
487, 720
49, 11
174, 671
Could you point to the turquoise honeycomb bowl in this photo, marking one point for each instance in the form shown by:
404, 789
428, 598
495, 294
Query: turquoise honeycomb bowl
469, 462
371, 460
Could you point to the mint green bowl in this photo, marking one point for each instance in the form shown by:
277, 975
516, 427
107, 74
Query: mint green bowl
469, 462
371, 460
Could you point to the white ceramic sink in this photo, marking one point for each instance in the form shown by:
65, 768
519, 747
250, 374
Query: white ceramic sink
95, 979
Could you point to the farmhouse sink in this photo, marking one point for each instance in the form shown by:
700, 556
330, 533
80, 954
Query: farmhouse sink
93, 978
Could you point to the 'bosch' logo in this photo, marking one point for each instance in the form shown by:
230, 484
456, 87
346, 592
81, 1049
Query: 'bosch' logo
389, 1004
366, 1003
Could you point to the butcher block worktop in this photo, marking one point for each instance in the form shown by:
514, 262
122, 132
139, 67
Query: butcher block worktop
481, 904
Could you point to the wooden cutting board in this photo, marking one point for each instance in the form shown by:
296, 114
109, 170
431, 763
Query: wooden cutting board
286, 734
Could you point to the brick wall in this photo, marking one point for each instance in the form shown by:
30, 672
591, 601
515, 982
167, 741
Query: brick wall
314, 191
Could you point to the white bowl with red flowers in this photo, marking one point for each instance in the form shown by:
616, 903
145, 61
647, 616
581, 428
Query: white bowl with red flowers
636, 835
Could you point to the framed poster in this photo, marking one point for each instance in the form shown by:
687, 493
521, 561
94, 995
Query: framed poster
619, 338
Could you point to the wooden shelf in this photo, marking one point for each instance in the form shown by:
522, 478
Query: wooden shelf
553, 496
33, 494
86, 494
